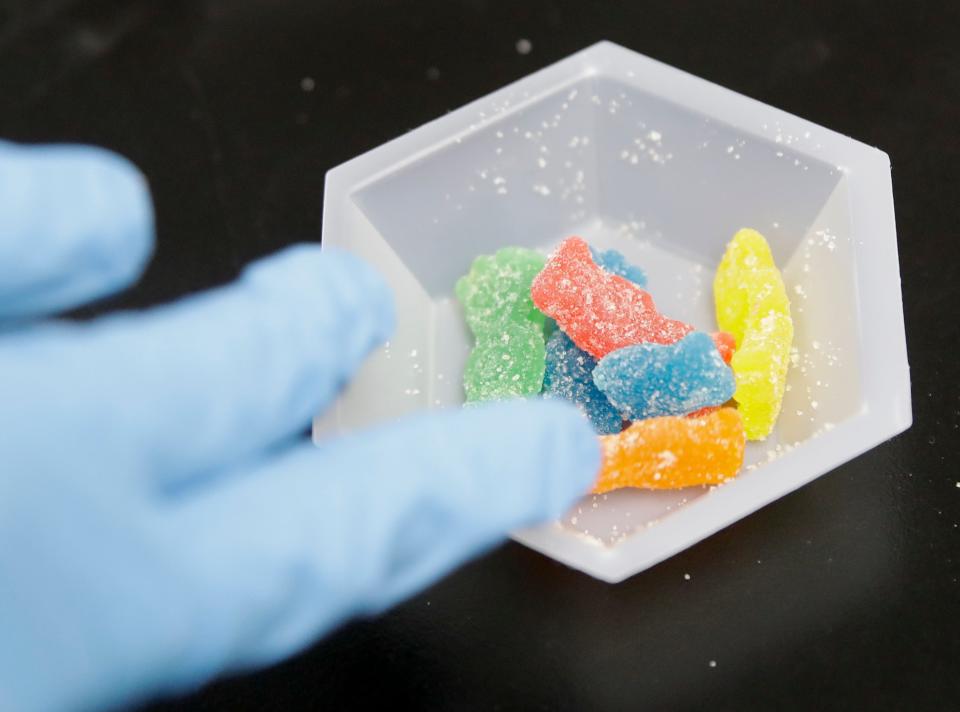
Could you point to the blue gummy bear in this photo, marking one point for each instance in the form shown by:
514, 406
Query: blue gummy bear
615, 263
649, 380
568, 375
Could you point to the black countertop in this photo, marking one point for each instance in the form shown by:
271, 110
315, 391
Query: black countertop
841, 595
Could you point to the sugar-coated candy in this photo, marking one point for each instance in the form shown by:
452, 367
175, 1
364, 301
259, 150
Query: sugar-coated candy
671, 452
569, 375
497, 287
600, 312
507, 362
726, 344
752, 304
703, 412
569, 368
736, 287
614, 262
649, 380
508, 358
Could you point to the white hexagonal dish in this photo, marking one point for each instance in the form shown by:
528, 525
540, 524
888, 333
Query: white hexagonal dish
630, 153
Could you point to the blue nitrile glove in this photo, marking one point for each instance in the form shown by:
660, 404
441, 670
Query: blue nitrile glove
162, 519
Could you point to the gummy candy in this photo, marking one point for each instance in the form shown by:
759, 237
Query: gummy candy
600, 312
752, 305
671, 452
497, 287
569, 375
648, 380
726, 344
569, 372
508, 359
507, 362
747, 254
703, 412
614, 262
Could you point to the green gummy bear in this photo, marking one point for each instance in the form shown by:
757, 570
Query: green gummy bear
497, 287
509, 356
506, 363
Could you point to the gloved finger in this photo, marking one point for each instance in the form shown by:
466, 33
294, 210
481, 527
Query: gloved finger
192, 387
76, 223
303, 541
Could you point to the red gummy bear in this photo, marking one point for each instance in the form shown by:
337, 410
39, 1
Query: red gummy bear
602, 312
703, 412
726, 344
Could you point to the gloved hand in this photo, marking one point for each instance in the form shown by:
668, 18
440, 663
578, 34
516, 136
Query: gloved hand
162, 520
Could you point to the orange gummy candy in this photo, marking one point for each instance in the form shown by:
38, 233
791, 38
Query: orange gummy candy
673, 451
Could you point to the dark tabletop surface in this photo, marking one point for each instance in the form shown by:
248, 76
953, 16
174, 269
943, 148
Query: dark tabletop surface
840, 595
